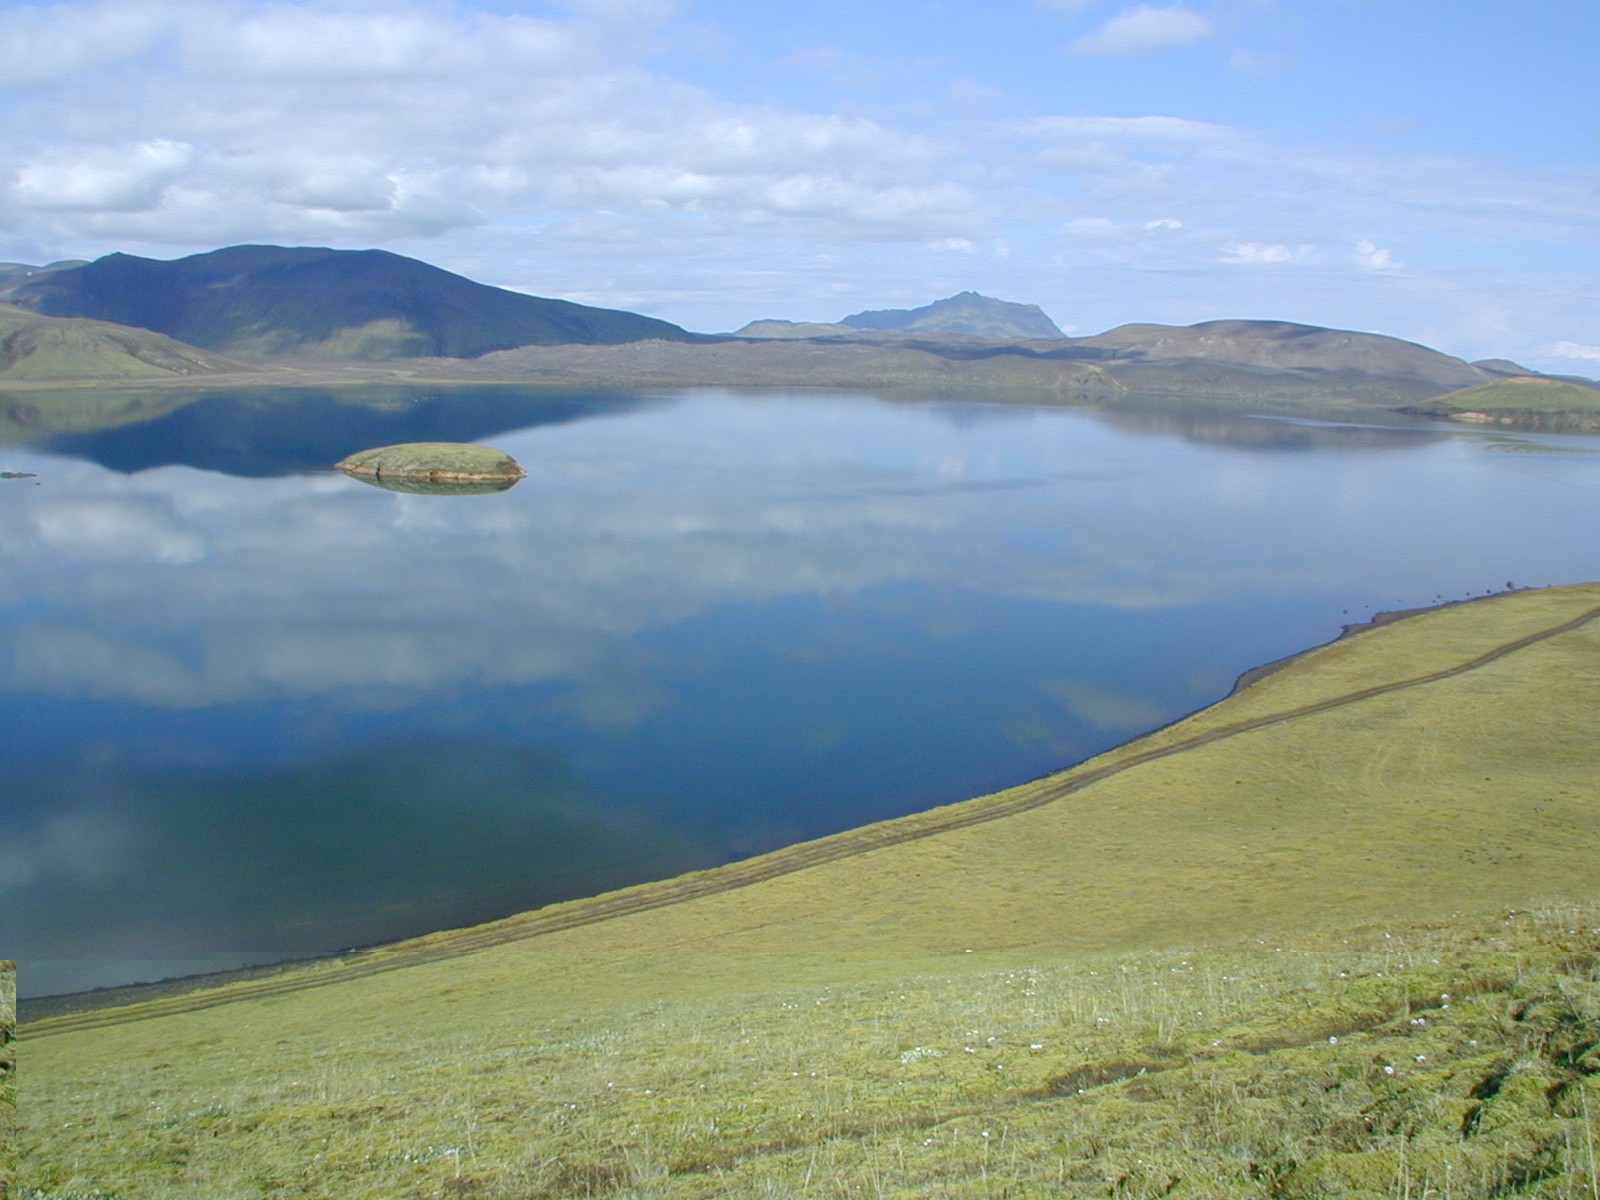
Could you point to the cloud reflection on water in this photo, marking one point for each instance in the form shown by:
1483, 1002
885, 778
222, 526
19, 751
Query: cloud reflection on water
697, 628
308, 584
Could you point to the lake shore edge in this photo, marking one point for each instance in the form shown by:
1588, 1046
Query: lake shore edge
62, 1012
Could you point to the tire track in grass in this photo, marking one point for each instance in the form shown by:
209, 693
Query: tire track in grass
211, 991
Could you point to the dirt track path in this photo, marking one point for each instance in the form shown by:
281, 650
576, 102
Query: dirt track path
157, 1000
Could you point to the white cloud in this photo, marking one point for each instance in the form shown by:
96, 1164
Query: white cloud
1142, 29
1267, 253
49, 42
556, 154
1368, 254
1575, 350
312, 121
114, 179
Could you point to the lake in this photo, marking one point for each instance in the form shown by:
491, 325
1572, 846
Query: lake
255, 709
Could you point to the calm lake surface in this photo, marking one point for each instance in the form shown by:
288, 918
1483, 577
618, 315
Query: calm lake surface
255, 709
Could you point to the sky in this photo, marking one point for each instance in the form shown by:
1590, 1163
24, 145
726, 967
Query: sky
1421, 168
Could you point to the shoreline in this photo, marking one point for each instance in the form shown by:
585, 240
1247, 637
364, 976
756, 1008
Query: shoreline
369, 959
1377, 621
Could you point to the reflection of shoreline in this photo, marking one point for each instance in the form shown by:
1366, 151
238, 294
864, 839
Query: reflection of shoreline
1308, 430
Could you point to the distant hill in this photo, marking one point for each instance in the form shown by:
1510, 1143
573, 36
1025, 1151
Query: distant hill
12, 273
1157, 353
1504, 366
1524, 400
273, 301
792, 329
63, 349
965, 312
1257, 366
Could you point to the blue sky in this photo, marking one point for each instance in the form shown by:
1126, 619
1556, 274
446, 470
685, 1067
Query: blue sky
1426, 169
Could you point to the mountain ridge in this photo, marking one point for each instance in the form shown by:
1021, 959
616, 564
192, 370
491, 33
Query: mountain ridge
264, 302
334, 312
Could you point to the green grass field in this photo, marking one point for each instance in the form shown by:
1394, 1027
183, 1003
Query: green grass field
1331, 937
1524, 400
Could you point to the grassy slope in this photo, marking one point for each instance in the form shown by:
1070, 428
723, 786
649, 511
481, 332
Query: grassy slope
35, 348
1525, 399
994, 1008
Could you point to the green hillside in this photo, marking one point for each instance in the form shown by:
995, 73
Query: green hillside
37, 349
274, 301
1524, 400
1281, 949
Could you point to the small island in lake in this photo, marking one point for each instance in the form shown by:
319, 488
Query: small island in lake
417, 465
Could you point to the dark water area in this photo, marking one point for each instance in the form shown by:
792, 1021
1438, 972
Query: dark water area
290, 431
255, 709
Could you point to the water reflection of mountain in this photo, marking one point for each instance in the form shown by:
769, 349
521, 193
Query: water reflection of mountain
1279, 434
265, 432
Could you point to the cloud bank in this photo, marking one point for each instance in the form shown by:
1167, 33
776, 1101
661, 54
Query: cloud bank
572, 152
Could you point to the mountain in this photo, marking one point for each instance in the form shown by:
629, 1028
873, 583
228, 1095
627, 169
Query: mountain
275, 301
73, 348
965, 312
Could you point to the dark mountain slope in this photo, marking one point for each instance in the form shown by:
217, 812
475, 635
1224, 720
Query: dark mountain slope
273, 301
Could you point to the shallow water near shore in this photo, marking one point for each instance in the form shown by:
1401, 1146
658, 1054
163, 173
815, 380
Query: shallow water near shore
256, 709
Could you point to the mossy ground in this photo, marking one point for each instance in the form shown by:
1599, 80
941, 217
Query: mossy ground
434, 462
1278, 961
1410, 1061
